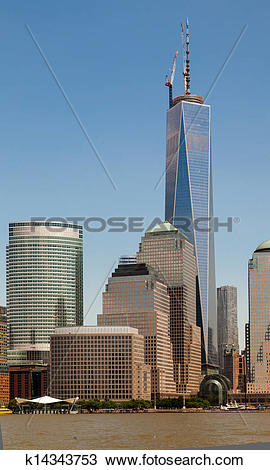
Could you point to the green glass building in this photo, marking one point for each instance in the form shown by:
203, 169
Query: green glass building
44, 285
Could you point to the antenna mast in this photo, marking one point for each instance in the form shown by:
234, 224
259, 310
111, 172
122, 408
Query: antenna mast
184, 56
187, 70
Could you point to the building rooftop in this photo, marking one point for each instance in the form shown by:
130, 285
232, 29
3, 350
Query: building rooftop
166, 227
97, 330
132, 269
163, 227
264, 246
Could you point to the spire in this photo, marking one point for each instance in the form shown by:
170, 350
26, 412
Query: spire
187, 70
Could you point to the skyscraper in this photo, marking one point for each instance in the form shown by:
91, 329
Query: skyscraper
44, 285
227, 321
136, 297
258, 330
165, 249
189, 197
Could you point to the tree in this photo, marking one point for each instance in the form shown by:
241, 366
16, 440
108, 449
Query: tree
197, 402
12, 405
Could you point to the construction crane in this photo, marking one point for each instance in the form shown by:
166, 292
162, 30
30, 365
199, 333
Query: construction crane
169, 81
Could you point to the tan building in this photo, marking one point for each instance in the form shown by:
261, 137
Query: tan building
103, 363
4, 374
258, 330
165, 249
136, 297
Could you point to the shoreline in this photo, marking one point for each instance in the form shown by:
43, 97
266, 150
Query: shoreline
147, 411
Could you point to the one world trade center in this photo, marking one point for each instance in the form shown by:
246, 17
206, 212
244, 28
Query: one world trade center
189, 196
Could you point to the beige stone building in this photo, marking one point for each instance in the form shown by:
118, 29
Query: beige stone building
103, 363
258, 328
165, 249
136, 297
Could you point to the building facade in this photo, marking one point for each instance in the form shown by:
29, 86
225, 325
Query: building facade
136, 297
44, 284
4, 375
258, 330
102, 363
28, 381
227, 321
231, 364
165, 250
189, 200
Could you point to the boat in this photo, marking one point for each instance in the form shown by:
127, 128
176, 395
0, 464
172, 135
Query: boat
232, 406
5, 411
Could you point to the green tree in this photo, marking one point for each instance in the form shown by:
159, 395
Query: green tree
108, 404
12, 405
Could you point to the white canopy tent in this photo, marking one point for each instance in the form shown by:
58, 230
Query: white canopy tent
46, 400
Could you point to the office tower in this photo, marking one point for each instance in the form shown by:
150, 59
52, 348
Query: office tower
4, 375
127, 259
227, 321
136, 297
165, 250
189, 198
44, 285
258, 331
103, 363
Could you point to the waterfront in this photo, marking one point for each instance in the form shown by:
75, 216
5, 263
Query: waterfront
134, 431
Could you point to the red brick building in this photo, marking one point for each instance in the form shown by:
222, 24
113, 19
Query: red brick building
28, 381
4, 375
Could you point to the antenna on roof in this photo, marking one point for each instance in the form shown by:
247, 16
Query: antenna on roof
187, 70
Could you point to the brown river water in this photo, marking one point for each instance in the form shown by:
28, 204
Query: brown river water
134, 431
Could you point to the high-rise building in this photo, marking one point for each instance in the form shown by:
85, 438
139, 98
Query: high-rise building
258, 331
4, 375
172, 256
189, 198
103, 363
227, 321
44, 285
136, 297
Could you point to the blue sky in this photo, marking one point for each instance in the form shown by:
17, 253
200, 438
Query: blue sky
111, 58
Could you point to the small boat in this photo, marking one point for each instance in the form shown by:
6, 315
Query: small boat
232, 406
5, 411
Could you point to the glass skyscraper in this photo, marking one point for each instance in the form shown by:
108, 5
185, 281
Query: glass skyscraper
44, 285
189, 199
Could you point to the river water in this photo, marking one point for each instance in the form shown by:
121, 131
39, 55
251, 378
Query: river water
134, 431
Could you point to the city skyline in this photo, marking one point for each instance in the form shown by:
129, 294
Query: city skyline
57, 148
